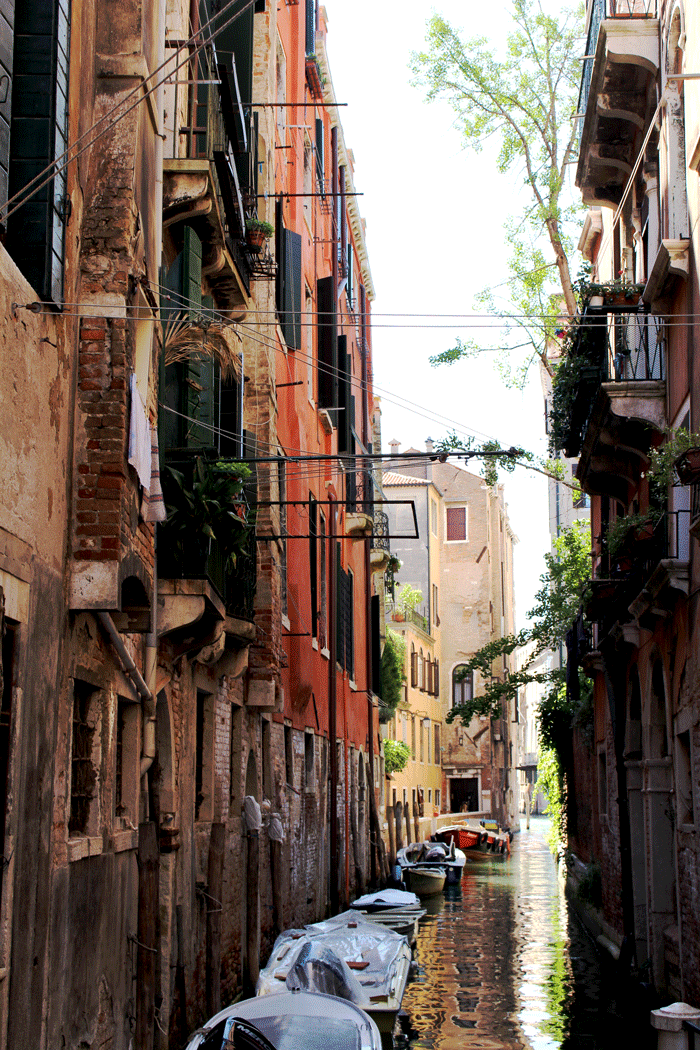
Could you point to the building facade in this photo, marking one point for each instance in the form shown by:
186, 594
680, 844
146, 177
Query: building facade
190, 740
463, 564
634, 813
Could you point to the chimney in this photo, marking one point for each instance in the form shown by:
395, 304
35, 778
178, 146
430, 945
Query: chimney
394, 447
429, 463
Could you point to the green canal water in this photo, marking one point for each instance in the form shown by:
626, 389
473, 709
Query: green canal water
501, 962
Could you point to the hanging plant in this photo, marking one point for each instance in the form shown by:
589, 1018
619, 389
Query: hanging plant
396, 756
208, 508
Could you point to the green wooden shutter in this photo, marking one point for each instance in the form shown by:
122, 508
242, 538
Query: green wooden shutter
310, 27
38, 130
7, 29
326, 333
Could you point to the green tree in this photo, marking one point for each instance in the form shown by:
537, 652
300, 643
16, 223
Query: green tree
562, 591
392, 674
525, 99
396, 756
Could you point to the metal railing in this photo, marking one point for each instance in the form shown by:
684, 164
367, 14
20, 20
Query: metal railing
645, 547
360, 491
380, 530
621, 347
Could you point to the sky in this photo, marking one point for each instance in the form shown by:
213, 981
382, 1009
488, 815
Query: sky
434, 212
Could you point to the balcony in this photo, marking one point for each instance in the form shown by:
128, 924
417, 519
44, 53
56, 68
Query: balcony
645, 577
206, 600
615, 100
609, 397
203, 189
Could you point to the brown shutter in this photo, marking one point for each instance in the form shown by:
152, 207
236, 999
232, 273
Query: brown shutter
456, 523
414, 670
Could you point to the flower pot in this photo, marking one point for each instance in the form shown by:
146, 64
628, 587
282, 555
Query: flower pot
688, 466
255, 239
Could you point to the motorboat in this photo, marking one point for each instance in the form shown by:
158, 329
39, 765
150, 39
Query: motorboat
397, 910
478, 841
434, 854
348, 956
287, 1022
425, 880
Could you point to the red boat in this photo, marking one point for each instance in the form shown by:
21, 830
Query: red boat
476, 839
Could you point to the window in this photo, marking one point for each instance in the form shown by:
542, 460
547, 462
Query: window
288, 756
85, 759
126, 777
437, 798
309, 760
414, 667
462, 685
456, 524
288, 281
421, 671
413, 734
436, 618
36, 107
234, 785
327, 344
320, 157
310, 27
433, 517
436, 748
323, 586
345, 654
422, 741
204, 768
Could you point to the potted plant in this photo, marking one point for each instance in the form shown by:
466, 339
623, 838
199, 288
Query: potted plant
205, 509
409, 599
256, 232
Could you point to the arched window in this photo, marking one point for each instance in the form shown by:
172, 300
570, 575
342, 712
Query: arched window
462, 685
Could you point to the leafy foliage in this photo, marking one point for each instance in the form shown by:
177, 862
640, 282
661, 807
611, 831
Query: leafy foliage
396, 756
524, 99
409, 599
562, 591
210, 506
392, 674
550, 782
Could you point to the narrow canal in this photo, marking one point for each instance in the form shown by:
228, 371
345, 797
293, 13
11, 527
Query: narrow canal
502, 963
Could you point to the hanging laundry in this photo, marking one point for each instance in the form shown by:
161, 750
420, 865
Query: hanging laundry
139, 437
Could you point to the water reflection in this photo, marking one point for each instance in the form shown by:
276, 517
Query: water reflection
501, 964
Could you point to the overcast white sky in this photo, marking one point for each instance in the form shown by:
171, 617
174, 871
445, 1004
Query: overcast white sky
434, 213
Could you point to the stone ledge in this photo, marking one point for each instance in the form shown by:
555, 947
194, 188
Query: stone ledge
124, 840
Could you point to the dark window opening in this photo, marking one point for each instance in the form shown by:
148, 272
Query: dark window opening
288, 756
83, 774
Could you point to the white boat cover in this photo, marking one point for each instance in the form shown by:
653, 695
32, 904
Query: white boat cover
346, 955
387, 899
293, 1020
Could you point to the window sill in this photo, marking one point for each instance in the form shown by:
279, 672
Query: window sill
353, 685
285, 622
124, 840
314, 644
326, 653
85, 846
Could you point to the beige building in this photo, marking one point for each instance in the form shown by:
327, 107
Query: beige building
463, 564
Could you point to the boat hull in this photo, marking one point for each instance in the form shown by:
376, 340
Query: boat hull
423, 880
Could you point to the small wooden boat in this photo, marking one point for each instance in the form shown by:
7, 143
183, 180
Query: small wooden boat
384, 899
287, 1022
423, 880
348, 956
433, 855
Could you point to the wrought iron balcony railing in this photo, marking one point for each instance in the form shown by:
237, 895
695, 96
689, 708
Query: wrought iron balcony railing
380, 530
620, 577
621, 347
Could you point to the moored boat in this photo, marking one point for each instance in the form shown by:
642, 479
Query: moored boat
434, 855
348, 956
287, 1022
485, 840
424, 880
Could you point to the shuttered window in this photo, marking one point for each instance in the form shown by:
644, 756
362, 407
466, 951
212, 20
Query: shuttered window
456, 519
38, 136
310, 27
7, 29
320, 161
288, 282
327, 344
